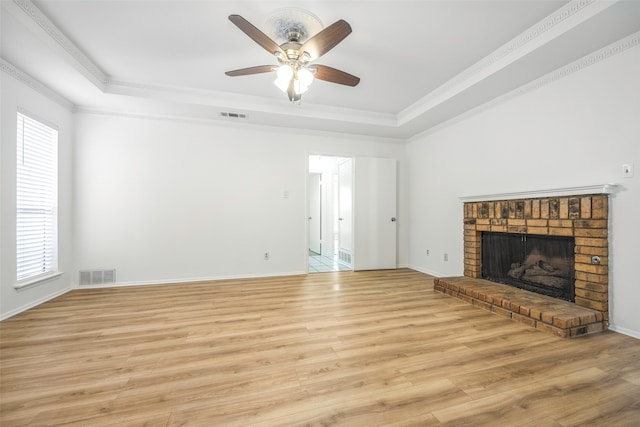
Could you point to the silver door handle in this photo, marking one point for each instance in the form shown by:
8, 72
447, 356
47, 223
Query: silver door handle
340, 219
393, 219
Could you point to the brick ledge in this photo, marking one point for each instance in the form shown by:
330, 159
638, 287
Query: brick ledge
561, 318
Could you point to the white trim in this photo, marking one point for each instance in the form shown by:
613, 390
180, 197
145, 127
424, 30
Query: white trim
15, 72
426, 271
251, 104
553, 192
191, 280
35, 117
37, 281
221, 121
624, 331
551, 27
79, 59
35, 303
586, 61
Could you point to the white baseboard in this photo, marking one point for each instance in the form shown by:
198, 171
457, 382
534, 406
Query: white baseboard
189, 280
32, 304
624, 331
426, 271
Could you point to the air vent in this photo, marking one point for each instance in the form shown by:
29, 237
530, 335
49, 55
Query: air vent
344, 257
97, 277
233, 115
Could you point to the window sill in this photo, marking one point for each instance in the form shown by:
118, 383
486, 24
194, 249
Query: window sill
37, 281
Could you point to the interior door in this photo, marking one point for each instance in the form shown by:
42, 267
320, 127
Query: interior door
315, 209
375, 214
345, 210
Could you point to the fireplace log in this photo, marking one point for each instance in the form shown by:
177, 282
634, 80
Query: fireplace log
553, 281
541, 273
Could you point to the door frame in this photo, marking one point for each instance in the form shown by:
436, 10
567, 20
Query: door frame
307, 195
316, 215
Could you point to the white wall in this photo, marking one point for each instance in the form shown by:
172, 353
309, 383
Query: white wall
14, 95
164, 201
575, 131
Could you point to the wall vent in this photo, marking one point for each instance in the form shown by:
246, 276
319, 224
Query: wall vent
97, 277
344, 257
233, 115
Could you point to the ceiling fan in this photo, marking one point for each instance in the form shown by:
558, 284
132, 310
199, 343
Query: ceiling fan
295, 72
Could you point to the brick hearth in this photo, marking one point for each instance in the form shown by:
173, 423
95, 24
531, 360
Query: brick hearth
561, 318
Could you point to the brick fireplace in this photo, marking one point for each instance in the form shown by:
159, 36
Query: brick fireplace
583, 217
581, 214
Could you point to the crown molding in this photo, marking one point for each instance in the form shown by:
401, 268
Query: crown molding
13, 71
248, 103
593, 58
49, 30
549, 28
220, 121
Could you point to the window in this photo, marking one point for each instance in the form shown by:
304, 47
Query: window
36, 200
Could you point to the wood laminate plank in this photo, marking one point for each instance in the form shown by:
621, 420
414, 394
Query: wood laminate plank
349, 348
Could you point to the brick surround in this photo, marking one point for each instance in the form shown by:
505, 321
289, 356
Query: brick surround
583, 217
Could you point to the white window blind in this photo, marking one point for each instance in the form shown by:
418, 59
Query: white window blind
36, 199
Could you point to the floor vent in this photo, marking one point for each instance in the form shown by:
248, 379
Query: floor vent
97, 277
233, 115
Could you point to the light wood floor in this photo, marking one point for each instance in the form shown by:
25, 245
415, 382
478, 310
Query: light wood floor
361, 349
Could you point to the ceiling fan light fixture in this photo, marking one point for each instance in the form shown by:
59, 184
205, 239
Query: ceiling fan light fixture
283, 85
305, 57
305, 76
285, 72
299, 88
294, 48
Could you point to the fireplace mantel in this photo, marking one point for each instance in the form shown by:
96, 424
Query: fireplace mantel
554, 192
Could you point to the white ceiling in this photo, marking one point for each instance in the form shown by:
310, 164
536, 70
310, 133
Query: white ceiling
421, 63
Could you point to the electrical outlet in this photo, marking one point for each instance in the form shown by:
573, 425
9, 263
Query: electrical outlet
266, 256
446, 257
427, 251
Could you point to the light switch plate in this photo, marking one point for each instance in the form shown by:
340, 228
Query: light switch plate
627, 170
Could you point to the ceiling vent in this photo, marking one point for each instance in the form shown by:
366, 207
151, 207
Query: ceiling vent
233, 115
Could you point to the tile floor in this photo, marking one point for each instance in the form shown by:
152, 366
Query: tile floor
323, 264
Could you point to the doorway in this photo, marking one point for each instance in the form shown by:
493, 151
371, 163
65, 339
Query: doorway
357, 199
330, 213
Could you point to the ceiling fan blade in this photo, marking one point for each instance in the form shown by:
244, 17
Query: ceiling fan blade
251, 70
326, 39
328, 74
256, 35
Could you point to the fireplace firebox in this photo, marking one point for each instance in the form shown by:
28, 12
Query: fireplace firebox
537, 263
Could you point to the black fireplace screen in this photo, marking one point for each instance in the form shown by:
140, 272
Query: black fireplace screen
542, 264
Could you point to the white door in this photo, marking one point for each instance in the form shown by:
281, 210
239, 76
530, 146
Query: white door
374, 214
345, 210
315, 203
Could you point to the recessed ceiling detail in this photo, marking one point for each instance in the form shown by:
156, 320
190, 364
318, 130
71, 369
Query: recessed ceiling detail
86, 64
35, 84
175, 68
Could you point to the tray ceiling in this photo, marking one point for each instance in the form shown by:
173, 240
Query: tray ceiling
421, 63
